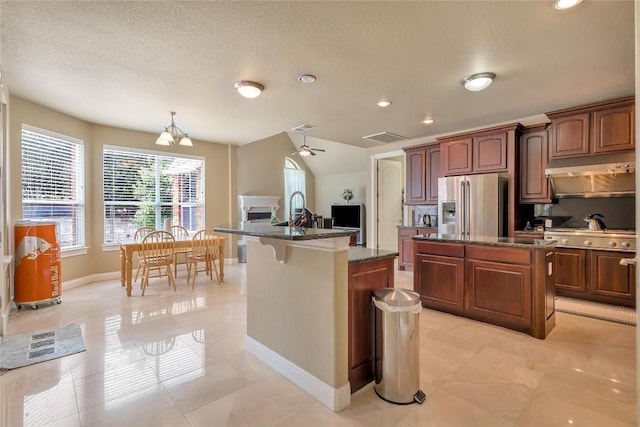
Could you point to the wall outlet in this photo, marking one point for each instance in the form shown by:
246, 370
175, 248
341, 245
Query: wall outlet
548, 223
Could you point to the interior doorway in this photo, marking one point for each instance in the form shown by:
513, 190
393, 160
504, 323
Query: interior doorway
389, 201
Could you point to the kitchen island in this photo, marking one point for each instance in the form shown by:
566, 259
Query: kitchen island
308, 301
501, 280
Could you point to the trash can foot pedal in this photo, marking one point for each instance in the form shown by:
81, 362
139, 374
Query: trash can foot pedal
419, 397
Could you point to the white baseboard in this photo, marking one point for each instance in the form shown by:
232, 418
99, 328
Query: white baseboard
335, 399
112, 275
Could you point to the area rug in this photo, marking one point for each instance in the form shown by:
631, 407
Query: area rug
612, 313
35, 347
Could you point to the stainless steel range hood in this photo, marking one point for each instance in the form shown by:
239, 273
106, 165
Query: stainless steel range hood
605, 175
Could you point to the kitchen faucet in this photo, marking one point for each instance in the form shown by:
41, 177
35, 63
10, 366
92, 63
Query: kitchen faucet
291, 206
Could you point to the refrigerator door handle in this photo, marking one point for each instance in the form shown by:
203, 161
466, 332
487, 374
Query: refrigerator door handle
468, 203
463, 210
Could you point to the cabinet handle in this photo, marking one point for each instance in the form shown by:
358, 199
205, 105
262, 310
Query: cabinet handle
629, 261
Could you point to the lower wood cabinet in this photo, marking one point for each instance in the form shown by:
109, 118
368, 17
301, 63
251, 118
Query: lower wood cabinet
405, 245
595, 276
364, 279
506, 286
571, 266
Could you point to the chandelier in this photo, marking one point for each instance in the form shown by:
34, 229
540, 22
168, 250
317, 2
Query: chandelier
173, 135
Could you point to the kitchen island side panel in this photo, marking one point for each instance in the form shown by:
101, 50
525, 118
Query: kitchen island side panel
298, 308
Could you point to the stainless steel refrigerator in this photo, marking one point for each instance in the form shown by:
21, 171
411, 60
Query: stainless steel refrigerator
472, 205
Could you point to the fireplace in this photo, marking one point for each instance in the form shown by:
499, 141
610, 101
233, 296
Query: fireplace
255, 210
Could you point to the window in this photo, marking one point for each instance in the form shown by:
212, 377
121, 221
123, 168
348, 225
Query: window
143, 188
53, 182
294, 180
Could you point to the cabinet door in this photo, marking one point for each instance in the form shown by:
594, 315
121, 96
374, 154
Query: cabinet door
415, 186
440, 281
456, 157
364, 279
433, 173
490, 153
500, 292
534, 184
614, 129
570, 265
405, 248
570, 136
610, 279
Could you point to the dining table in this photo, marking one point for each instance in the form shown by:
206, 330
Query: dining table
130, 247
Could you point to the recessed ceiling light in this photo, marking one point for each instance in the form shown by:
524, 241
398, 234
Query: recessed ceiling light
249, 89
306, 78
428, 121
384, 103
565, 4
476, 82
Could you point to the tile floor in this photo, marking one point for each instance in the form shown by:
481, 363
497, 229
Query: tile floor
177, 359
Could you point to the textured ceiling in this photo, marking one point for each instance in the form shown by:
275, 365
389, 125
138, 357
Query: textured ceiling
127, 64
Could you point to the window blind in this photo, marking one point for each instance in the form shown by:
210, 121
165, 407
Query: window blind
53, 182
145, 189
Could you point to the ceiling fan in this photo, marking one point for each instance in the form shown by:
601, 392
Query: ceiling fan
305, 150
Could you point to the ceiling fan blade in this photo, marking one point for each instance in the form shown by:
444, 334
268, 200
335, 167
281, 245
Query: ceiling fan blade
318, 149
312, 153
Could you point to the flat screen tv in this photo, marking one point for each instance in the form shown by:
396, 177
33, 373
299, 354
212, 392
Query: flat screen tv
347, 215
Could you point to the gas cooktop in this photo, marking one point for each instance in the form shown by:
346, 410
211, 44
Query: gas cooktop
610, 239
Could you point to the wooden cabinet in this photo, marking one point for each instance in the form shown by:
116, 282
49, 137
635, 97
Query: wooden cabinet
611, 281
484, 153
416, 172
405, 245
534, 184
422, 165
439, 275
507, 286
433, 173
457, 157
570, 135
592, 129
595, 275
499, 290
364, 279
570, 269
614, 129
490, 153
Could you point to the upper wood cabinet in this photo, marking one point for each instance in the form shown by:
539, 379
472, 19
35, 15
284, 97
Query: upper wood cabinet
485, 153
422, 166
595, 128
614, 129
434, 162
457, 157
534, 184
416, 169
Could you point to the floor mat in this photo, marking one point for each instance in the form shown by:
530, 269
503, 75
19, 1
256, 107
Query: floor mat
35, 347
612, 313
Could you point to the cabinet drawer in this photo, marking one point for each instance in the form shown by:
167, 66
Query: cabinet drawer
436, 248
504, 255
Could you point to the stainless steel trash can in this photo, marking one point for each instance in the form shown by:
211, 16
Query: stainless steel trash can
397, 353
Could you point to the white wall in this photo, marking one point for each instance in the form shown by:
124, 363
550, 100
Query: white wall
329, 190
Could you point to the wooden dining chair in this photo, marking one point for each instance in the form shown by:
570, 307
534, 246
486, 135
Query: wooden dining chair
204, 249
180, 254
157, 253
138, 236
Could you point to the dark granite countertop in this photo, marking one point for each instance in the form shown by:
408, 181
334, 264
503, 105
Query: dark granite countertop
359, 254
417, 226
514, 242
283, 233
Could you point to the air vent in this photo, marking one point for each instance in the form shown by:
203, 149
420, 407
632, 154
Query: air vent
385, 137
302, 128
